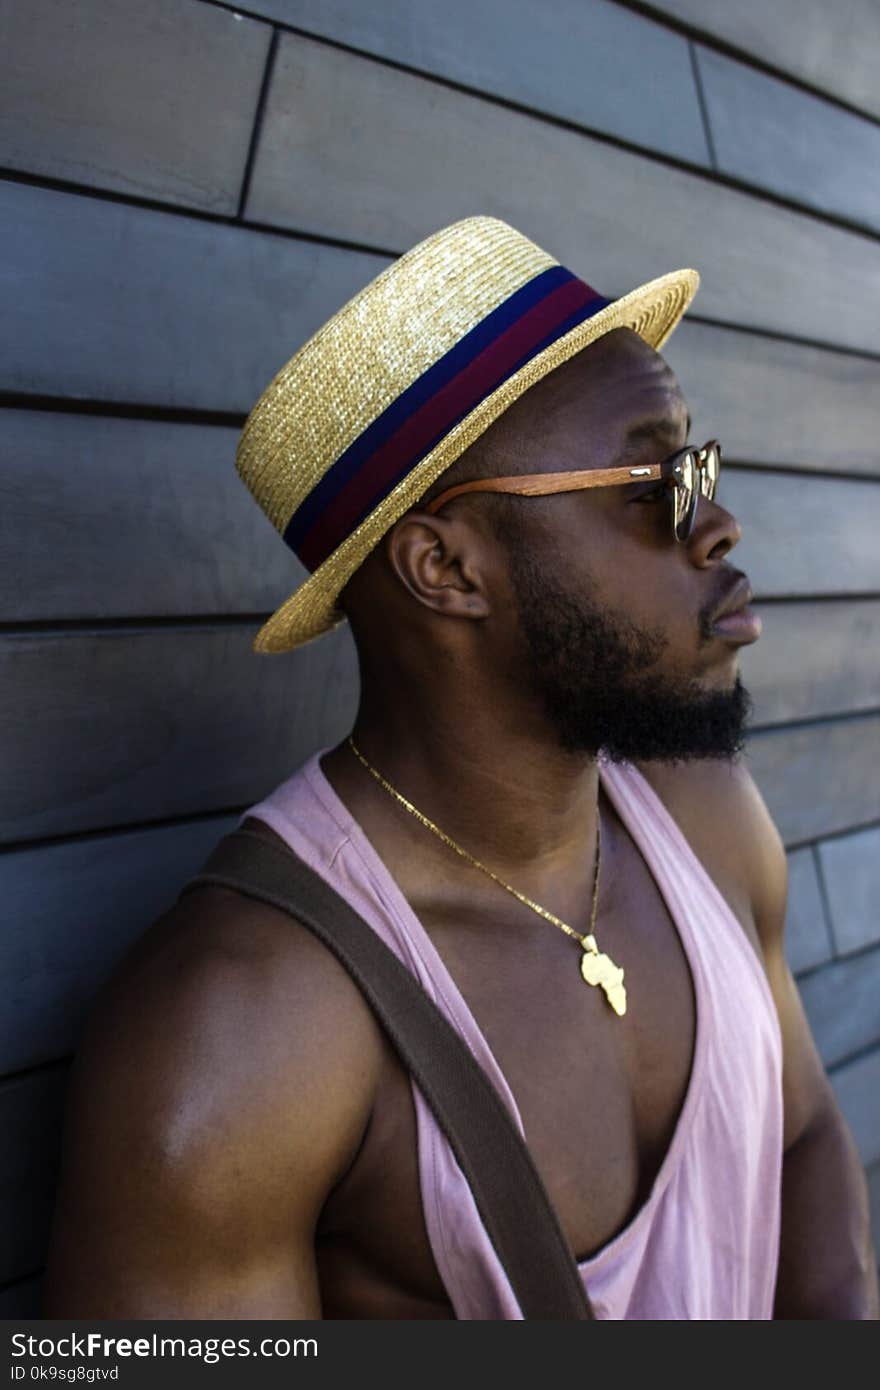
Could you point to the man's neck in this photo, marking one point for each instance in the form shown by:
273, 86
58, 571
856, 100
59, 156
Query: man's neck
492, 778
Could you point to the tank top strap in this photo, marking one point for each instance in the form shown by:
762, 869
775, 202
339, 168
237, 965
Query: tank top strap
680, 874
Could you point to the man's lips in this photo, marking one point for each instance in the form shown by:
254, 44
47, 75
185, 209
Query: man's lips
733, 621
738, 628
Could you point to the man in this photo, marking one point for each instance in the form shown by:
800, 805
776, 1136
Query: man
545, 749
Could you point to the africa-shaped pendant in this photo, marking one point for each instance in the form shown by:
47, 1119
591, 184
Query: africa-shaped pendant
599, 969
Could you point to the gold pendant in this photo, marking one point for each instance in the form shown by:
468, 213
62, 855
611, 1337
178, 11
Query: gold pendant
599, 969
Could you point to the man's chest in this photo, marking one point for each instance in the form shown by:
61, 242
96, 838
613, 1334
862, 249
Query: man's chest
599, 1096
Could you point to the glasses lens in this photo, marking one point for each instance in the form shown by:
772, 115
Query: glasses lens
711, 461
685, 494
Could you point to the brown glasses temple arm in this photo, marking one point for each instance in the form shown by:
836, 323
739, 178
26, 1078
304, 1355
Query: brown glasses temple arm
539, 484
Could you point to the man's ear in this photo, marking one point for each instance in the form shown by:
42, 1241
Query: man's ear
441, 562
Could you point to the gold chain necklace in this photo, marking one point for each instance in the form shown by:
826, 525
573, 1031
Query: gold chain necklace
596, 968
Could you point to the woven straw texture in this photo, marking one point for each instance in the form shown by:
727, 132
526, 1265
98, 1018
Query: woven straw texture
376, 346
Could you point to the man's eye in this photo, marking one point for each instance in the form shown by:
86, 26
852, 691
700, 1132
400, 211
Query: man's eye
656, 494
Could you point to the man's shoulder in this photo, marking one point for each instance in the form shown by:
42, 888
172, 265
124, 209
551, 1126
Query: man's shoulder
212, 928
223, 1087
226, 987
725, 819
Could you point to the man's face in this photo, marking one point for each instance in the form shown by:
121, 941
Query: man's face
613, 613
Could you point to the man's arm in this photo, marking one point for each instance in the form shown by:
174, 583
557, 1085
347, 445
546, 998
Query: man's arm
222, 1090
827, 1264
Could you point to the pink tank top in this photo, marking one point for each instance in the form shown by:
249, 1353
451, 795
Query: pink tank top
705, 1243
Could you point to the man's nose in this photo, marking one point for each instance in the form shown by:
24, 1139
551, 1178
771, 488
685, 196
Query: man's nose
716, 531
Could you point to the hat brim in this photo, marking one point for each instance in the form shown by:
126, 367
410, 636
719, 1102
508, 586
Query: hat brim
653, 311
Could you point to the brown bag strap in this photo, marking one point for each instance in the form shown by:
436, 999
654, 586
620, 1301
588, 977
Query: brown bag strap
509, 1194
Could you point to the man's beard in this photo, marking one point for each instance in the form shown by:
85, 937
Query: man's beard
595, 675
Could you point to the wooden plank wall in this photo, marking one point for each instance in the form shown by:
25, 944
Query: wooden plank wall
186, 191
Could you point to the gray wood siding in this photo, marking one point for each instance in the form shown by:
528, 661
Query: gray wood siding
779, 513
849, 866
843, 1005
187, 194
156, 507
121, 725
584, 61
834, 50
807, 934
813, 659
857, 1086
798, 146
374, 166
818, 779
72, 909
777, 402
129, 305
156, 100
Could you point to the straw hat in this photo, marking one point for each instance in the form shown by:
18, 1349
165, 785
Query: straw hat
396, 385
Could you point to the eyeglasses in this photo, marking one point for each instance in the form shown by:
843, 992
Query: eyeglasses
688, 473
